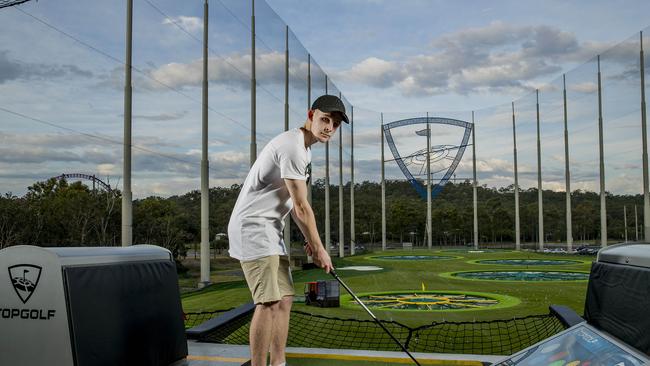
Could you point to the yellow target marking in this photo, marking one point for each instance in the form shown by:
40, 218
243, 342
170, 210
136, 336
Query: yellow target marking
425, 301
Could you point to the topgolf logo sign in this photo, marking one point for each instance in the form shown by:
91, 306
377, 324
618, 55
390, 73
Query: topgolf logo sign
24, 279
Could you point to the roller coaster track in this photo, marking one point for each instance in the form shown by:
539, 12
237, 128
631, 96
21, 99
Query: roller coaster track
92, 178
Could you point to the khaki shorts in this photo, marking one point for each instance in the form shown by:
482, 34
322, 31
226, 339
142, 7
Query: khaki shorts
268, 278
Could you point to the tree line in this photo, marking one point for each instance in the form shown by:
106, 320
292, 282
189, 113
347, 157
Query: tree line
56, 212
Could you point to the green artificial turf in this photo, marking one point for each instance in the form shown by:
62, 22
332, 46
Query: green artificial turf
410, 275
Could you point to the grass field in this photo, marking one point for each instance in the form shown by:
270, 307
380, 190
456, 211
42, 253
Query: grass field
230, 290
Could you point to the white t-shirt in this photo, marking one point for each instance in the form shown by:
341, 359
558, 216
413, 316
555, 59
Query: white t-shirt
257, 220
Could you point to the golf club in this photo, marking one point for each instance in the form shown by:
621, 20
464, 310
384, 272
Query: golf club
333, 273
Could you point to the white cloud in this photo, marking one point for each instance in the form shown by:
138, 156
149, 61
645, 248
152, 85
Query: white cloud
231, 70
230, 158
496, 166
587, 87
555, 186
108, 169
374, 72
191, 24
496, 58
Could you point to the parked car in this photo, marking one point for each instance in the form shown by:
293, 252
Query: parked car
554, 250
587, 250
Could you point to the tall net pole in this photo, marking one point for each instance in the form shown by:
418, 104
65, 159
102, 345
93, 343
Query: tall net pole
341, 222
636, 225
567, 173
540, 207
625, 221
383, 189
352, 231
253, 149
287, 220
475, 185
328, 235
429, 218
603, 207
310, 259
514, 147
127, 195
308, 108
644, 136
205, 177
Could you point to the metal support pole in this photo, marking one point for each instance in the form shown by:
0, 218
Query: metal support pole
603, 202
341, 222
567, 174
353, 240
310, 259
644, 135
253, 152
286, 78
328, 235
383, 189
540, 212
205, 177
636, 225
287, 220
625, 221
429, 218
127, 195
514, 145
308, 108
475, 185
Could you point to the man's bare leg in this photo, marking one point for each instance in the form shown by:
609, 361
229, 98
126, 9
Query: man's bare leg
261, 331
280, 331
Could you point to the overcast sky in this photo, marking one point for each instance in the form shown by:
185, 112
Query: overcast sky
62, 82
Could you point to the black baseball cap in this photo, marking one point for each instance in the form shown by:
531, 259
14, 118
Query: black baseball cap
330, 103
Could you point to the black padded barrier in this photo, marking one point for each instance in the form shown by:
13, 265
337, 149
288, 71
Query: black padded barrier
618, 302
125, 314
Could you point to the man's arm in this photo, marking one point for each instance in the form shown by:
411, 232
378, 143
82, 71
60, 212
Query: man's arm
303, 215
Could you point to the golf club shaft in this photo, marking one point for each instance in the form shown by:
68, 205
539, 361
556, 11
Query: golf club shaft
333, 273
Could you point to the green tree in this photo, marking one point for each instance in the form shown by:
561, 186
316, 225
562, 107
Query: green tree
160, 221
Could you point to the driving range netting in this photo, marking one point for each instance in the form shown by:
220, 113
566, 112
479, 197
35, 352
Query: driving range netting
496, 337
194, 319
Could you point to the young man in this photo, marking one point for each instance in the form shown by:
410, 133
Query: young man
275, 186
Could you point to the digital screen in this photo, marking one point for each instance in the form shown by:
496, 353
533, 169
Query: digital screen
578, 346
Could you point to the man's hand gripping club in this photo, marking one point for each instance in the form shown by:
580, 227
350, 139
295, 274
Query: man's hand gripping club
320, 256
